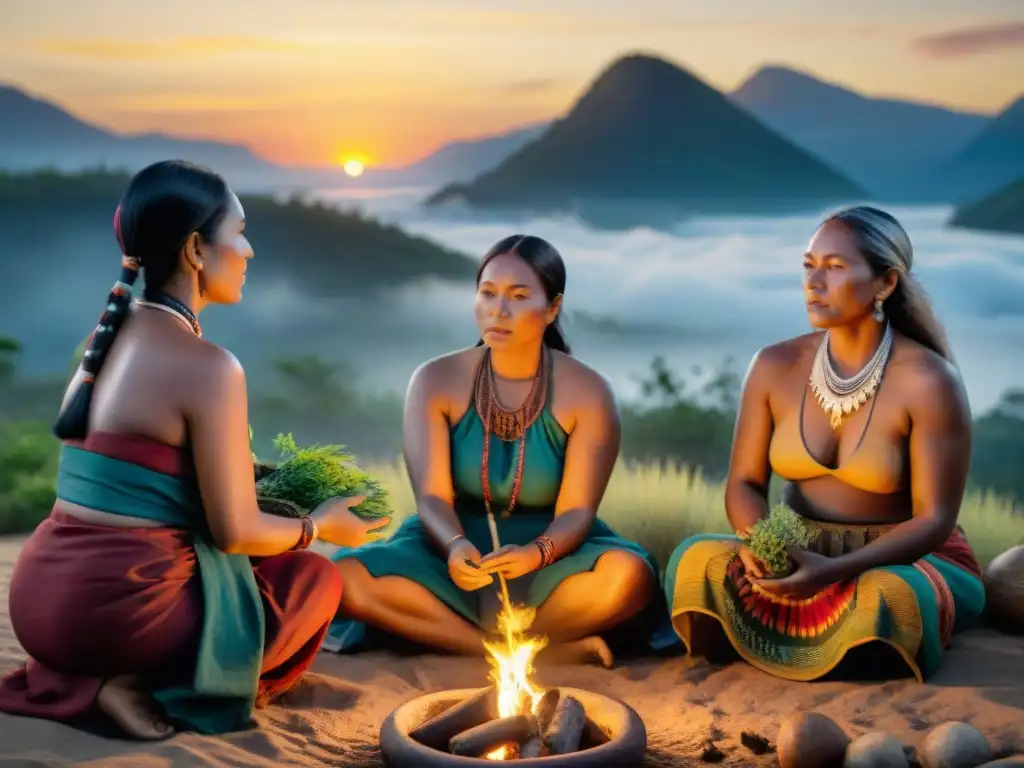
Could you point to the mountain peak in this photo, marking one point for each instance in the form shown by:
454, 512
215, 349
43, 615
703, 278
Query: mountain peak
1013, 115
642, 90
643, 69
648, 133
639, 65
39, 133
777, 86
783, 75
32, 121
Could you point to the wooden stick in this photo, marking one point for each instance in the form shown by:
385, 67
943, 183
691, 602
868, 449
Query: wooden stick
566, 730
438, 730
546, 709
532, 747
594, 734
495, 546
478, 741
525, 706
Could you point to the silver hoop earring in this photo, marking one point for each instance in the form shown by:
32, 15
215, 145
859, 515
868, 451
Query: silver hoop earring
878, 314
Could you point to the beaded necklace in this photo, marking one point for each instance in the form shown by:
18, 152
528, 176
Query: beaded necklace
839, 397
169, 304
507, 424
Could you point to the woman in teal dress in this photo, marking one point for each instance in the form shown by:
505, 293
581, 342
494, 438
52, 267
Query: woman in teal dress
541, 466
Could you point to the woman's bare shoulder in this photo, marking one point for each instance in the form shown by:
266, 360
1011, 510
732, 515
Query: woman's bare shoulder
446, 379
786, 353
927, 378
440, 370
588, 385
207, 368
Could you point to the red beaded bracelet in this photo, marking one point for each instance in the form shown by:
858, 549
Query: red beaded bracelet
547, 550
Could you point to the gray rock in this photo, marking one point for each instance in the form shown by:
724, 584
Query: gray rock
811, 740
875, 750
955, 745
1014, 761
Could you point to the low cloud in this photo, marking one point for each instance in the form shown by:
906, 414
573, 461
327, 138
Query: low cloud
971, 41
735, 284
723, 286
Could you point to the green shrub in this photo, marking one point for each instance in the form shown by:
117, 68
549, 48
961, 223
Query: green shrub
770, 538
29, 456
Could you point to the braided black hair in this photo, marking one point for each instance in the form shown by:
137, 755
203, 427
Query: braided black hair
163, 205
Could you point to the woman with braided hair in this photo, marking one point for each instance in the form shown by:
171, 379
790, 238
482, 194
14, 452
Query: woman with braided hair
540, 463
156, 593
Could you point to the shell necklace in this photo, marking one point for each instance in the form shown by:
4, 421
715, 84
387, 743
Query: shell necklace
838, 396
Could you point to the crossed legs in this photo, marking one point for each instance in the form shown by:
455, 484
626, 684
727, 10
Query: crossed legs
580, 608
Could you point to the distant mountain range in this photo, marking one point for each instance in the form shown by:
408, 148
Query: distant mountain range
465, 159
895, 150
648, 142
1002, 211
339, 272
898, 150
36, 133
886, 145
992, 159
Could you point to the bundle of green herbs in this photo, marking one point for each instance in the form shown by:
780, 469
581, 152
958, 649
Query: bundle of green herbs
770, 537
305, 477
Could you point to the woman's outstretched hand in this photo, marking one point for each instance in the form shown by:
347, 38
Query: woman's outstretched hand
813, 573
464, 575
512, 561
337, 524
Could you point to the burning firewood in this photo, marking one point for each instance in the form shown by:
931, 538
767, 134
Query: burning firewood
525, 703
438, 731
486, 737
594, 734
534, 745
565, 732
546, 708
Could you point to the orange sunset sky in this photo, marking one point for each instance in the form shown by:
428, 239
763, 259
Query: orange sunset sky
313, 82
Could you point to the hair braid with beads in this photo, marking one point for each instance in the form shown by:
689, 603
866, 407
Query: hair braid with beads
73, 420
164, 204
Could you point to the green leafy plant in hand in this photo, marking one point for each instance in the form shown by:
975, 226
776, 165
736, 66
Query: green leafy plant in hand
770, 537
309, 476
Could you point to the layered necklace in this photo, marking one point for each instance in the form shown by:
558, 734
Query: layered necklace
167, 303
508, 425
839, 397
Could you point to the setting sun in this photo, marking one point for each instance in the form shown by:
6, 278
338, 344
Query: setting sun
353, 167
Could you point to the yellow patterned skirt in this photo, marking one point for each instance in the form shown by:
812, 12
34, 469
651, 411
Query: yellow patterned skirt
915, 609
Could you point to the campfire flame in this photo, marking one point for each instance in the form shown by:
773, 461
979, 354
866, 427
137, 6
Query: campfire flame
512, 665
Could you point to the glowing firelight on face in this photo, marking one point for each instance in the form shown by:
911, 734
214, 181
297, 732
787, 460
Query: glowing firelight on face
512, 665
353, 168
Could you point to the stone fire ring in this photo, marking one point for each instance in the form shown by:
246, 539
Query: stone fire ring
626, 745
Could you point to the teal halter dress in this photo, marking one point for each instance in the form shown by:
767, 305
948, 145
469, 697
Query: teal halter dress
410, 554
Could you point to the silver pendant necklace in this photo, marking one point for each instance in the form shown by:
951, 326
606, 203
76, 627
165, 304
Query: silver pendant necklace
839, 397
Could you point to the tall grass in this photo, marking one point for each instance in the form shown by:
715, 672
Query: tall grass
659, 507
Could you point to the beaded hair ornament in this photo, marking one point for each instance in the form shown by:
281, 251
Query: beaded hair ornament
118, 303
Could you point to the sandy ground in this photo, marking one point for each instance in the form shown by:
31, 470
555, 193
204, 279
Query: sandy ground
333, 718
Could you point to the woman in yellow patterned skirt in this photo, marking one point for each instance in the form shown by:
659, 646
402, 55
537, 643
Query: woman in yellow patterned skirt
867, 422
